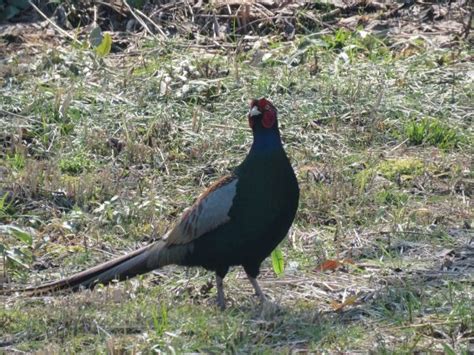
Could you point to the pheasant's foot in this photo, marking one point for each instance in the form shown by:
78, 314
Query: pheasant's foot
220, 301
270, 309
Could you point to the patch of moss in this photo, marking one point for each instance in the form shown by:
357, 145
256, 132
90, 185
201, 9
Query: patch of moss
407, 167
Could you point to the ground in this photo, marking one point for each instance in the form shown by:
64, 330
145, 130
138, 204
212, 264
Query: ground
101, 152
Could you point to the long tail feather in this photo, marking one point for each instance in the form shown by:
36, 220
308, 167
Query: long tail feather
121, 268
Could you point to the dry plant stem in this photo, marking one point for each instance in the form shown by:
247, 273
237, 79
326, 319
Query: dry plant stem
144, 25
56, 27
158, 28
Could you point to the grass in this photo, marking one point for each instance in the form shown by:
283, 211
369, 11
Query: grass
102, 156
432, 132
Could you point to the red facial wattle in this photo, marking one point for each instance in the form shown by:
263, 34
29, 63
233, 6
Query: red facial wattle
268, 119
267, 111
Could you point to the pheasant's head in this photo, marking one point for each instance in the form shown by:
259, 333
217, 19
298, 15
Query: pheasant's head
263, 121
262, 115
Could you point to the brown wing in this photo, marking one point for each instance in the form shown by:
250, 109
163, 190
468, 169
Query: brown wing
209, 211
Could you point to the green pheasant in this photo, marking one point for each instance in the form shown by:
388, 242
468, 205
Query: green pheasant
239, 220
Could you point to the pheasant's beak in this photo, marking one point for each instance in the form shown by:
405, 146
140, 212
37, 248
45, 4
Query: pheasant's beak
254, 112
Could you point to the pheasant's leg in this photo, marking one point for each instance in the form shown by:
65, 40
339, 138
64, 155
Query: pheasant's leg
220, 274
220, 292
256, 287
252, 272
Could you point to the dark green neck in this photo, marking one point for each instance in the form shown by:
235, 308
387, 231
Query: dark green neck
266, 140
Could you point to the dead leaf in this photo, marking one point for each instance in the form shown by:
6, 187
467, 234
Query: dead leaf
329, 265
333, 264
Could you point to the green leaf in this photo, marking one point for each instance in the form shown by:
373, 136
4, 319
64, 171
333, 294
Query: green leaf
448, 350
2, 202
278, 261
18, 233
16, 257
105, 46
21, 235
